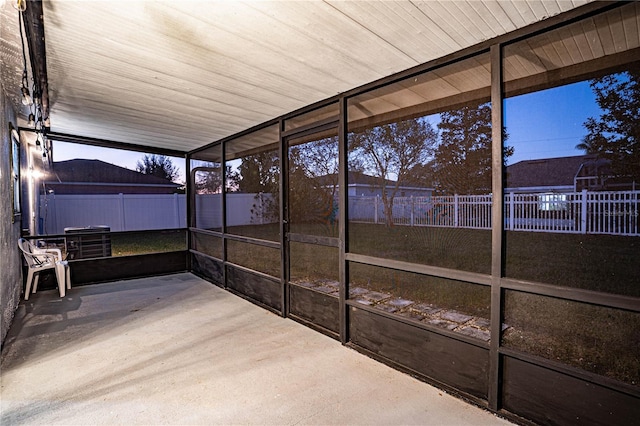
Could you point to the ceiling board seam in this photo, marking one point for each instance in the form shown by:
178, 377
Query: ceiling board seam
376, 35
293, 59
313, 36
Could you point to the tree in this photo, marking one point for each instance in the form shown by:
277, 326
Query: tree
462, 161
313, 181
258, 174
158, 165
208, 179
391, 151
615, 134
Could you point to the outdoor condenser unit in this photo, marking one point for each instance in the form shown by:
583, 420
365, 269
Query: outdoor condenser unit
91, 242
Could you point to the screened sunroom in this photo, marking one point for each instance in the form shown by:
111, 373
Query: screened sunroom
449, 188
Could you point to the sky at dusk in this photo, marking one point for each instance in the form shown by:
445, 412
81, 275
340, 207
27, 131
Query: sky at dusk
549, 123
544, 124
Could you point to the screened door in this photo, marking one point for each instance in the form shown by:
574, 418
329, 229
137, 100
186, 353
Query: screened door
311, 228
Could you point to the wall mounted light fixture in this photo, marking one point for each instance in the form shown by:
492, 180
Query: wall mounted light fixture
21, 5
26, 96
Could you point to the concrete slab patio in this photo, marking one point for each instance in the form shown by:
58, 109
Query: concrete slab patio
178, 350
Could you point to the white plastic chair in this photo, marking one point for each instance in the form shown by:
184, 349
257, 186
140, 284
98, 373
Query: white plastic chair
40, 260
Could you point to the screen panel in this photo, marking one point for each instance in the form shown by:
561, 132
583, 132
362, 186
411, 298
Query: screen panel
572, 179
252, 179
419, 171
313, 184
597, 339
448, 304
253, 256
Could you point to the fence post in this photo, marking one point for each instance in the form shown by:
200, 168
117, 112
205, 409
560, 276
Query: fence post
176, 210
375, 210
261, 208
412, 209
512, 213
455, 210
122, 212
583, 219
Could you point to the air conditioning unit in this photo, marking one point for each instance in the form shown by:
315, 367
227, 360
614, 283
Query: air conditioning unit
88, 242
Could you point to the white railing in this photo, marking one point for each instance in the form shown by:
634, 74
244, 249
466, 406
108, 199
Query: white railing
612, 212
456, 211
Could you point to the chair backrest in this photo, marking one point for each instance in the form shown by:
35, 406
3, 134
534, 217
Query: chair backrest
35, 257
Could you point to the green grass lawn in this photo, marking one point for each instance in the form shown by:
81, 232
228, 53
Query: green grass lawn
601, 340
147, 242
453, 248
607, 263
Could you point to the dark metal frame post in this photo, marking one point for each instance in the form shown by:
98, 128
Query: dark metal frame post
223, 206
190, 198
343, 204
284, 219
496, 225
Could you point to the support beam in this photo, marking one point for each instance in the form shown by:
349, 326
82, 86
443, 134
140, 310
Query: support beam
34, 32
104, 143
496, 226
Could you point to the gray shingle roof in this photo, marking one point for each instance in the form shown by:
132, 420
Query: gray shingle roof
96, 171
559, 171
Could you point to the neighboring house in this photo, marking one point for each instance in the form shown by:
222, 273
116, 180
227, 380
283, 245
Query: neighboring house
92, 194
97, 177
564, 174
363, 185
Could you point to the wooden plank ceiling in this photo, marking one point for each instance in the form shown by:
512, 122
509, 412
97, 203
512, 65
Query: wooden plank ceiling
181, 74
595, 44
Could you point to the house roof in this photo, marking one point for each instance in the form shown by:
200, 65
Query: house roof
357, 178
546, 172
360, 179
96, 171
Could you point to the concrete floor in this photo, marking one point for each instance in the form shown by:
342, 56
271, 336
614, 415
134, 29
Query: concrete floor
178, 350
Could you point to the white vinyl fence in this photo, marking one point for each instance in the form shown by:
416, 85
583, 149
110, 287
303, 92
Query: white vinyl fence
243, 208
120, 212
135, 212
612, 212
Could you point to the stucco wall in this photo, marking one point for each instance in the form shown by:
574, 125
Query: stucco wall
10, 262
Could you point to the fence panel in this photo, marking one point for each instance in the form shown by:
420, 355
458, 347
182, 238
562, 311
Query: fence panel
612, 212
61, 211
148, 211
208, 211
473, 211
364, 209
134, 212
248, 209
542, 212
120, 212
